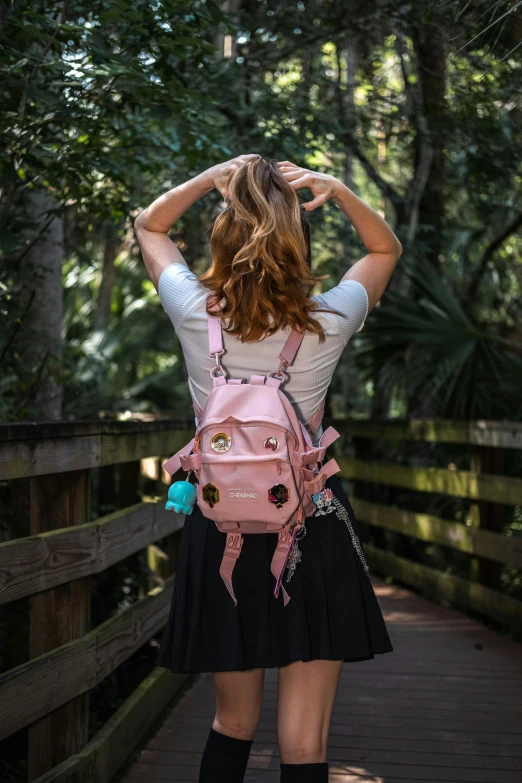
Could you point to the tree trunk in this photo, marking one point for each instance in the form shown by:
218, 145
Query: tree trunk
110, 251
41, 301
347, 62
429, 46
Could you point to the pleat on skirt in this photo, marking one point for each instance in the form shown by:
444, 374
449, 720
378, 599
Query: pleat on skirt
333, 613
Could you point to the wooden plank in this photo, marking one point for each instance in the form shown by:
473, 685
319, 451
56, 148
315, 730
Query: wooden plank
50, 430
58, 616
497, 434
425, 527
120, 636
104, 754
488, 516
19, 459
459, 592
459, 483
30, 565
39, 686
44, 457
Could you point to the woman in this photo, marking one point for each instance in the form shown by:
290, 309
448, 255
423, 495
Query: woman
261, 275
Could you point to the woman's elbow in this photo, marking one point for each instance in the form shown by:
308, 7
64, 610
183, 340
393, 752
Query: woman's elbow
397, 249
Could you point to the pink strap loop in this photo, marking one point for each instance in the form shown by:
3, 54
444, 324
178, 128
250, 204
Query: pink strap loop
328, 437
316, 417
173, 464
317, 483
232, 551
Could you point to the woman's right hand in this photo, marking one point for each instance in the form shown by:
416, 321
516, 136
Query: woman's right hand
222, 172
323, 186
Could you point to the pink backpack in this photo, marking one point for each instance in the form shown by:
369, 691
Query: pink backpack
254, 460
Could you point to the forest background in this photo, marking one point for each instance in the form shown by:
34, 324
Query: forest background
416, 106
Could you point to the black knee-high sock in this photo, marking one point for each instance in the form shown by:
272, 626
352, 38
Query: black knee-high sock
304, 773
224, 759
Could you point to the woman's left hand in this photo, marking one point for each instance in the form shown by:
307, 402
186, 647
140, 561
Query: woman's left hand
223, 171
323, 186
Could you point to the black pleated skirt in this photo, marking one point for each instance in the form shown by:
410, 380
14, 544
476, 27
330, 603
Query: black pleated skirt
333, 613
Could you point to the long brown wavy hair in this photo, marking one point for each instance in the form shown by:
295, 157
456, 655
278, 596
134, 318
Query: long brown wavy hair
261, 258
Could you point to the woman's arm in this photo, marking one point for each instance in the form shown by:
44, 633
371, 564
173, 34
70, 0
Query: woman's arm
374, 270
154, 223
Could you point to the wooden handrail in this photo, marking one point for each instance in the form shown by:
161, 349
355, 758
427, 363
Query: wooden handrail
42, 684
458, 483
38, 450
496, 434
425, 527
30, 565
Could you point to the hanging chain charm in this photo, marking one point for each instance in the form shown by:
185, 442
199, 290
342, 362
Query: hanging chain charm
295, 556
342, 514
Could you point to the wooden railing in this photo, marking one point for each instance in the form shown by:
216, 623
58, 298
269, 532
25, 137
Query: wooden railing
485, 491
52, 565
51, 466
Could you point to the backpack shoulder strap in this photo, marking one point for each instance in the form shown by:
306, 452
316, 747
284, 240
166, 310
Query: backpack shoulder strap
290, 349
215, 339
215, 335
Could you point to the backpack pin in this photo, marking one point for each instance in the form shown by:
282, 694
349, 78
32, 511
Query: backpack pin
278, 495
210, 494
221, 442
324, 502
271, 443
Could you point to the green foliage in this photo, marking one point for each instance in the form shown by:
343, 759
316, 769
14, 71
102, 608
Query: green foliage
430, 349
106, 105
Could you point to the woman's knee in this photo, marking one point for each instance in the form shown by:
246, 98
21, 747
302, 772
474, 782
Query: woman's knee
306, 693
303, 747
239, 698
238, 726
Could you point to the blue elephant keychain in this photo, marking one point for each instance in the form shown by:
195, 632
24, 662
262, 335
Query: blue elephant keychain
182, 496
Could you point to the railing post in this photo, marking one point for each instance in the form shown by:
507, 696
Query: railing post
58, 616
488, 516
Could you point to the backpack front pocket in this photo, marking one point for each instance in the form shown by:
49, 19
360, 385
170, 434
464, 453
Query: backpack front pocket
253, 494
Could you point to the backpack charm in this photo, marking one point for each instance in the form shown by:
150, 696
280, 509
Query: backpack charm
181, 497
324, 502
343, 515
295, 555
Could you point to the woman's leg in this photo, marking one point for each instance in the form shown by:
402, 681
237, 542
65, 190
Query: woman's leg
239, 697
305, 697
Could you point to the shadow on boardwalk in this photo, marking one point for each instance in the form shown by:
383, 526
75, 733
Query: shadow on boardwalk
444, 706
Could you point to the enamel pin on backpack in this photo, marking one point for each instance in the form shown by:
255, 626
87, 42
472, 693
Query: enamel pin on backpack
254, 461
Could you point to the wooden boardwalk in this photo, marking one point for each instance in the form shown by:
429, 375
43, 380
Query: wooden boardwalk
445, 705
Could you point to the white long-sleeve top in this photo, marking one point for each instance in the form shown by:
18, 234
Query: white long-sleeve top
183, 298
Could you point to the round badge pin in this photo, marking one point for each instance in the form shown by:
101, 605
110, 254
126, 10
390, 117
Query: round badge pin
221, 442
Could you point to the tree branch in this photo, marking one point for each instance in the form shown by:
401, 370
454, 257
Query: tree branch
493, 246
385, 188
